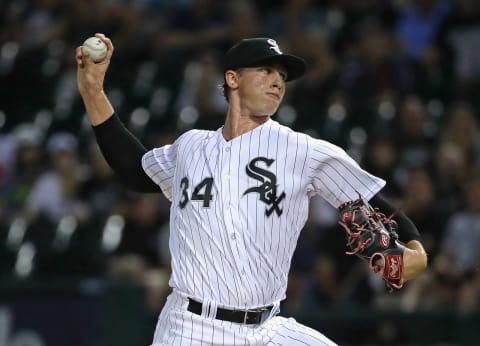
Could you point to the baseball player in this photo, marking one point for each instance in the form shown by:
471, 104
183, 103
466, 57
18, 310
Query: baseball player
239, 199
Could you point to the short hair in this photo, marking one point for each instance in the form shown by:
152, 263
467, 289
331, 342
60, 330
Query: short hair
225, 90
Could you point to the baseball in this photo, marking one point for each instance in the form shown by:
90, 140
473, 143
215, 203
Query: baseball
95, 48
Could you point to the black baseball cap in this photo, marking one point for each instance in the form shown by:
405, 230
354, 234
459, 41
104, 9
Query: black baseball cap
250, 52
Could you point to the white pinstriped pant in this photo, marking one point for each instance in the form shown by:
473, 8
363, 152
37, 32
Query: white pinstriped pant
178, 327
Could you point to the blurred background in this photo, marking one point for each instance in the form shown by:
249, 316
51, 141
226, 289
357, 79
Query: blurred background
396, 83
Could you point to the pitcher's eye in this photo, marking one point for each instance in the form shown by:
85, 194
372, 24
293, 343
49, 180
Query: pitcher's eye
268, 70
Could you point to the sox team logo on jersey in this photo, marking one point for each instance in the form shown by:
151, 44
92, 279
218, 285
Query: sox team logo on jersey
268, 190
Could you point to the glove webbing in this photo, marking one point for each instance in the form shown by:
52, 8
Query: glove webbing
372, 215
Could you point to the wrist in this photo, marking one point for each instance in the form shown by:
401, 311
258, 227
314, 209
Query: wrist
414, 262
98, 107
92, 92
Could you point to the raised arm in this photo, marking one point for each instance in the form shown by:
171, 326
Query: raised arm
120, 148
90, 79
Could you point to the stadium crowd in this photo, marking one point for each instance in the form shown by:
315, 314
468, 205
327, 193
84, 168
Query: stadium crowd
395, 83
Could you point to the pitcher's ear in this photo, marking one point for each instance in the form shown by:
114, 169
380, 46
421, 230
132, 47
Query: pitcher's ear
231, 78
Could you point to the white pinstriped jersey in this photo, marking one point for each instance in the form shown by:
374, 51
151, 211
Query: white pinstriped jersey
238, 207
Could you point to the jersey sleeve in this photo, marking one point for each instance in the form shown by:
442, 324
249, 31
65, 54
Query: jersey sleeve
337, 177
159, 164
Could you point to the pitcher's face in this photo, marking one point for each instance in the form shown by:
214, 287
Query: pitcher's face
261, 88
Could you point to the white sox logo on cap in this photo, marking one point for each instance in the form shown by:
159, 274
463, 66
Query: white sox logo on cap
251, 52
274, 45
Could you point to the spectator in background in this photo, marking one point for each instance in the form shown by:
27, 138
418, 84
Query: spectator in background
99, 189
325, 282
199, 102
381, 158
292, 18
54, 193
455, 271
195, 24
449, 172
28, 163
373, 73
418, 200
462, 32
462, 130
457, 153
244, 20
419, 33
418, 27
413, 133
122, 21
312, 95
469, 295
7, 156
143, 221
461, 239
42, 22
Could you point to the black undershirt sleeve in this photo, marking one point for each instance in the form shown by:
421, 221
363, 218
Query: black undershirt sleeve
123, 152
406, 228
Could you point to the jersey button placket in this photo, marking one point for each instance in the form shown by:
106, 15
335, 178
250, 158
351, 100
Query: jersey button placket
227, 203
231, 213
226, 175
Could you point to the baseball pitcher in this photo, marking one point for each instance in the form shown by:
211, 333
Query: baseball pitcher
239, 199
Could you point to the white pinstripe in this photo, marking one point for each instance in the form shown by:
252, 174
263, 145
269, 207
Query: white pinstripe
236, 250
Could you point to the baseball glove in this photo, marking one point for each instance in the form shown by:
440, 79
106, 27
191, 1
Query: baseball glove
372, 236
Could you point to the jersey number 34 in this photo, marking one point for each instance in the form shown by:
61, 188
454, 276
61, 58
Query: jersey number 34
202, 192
